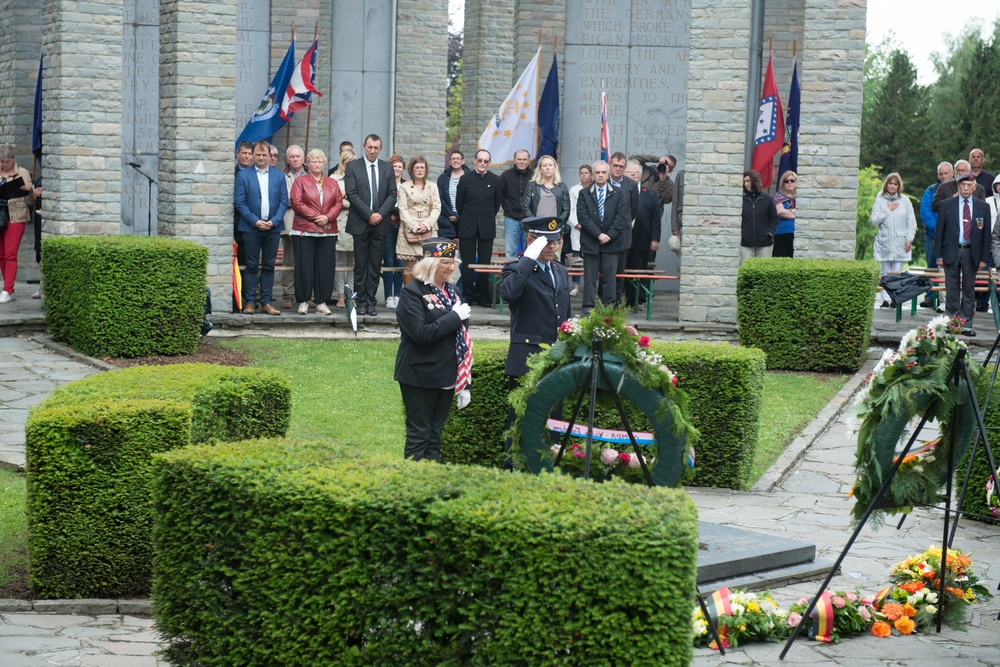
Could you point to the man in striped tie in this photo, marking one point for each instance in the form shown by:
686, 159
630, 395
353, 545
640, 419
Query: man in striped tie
962, 245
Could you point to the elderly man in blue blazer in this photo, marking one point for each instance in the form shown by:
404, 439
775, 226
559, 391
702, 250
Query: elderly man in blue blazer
261, 199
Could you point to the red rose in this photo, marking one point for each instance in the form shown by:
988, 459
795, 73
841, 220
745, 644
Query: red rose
643, 341
673, 380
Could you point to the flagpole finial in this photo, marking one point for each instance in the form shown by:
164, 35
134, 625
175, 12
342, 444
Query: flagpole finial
770, 44
795, 45
293, 31
539, 38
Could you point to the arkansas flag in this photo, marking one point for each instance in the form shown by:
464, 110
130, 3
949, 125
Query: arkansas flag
770, 134
302, 85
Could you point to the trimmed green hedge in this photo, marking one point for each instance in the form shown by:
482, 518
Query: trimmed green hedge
88, 452
807, 314
124, 296
725, 384
276, 553
975, 495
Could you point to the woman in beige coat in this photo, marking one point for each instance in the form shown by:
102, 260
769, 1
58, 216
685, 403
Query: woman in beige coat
419, 208
18, 213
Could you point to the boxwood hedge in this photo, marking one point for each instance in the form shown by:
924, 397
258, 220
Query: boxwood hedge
124, 296
975, 495
724, 382
807, 314
88, 452
277, 553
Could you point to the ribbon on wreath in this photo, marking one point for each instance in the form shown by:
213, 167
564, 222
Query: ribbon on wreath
718, 604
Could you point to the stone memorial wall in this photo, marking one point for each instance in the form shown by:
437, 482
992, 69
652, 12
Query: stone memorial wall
140, 115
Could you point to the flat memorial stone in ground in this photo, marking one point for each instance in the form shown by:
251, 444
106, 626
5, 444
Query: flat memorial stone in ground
725, 552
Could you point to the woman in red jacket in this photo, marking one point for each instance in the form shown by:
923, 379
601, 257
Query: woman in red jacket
317, 201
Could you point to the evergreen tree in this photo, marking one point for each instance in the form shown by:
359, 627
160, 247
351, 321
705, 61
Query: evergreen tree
981, 90
896, 135
950, 114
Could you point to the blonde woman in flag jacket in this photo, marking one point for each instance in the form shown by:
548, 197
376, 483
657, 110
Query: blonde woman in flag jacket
892, 214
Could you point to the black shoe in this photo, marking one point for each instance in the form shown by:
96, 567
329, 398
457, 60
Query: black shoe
371, 311
982, 307
971, 333
886, 304
926, 303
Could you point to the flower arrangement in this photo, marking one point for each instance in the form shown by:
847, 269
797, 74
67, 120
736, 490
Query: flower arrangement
750, 617
906, 382
992, 501
837, 614
911, 602
620, 343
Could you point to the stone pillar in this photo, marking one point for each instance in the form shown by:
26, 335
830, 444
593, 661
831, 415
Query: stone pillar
19, 51
488, 67
197, 111
716, 127
421, 73
830, 138
531, 18
82, 108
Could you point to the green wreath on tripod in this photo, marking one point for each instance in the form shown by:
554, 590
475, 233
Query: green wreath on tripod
637, 373
914, 381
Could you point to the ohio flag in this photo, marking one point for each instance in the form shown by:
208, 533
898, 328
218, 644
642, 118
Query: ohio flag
302, 85
770, 134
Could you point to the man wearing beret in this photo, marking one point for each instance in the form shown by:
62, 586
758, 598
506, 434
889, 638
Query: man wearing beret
962, 246
537, 288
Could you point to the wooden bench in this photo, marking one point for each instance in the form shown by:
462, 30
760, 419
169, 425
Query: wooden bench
985, 282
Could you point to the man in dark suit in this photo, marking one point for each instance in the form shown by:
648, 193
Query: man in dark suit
477, 203
645, 235
371, 188
949, 189
962, 245
630, 189
244, 160
603, 214
261, 199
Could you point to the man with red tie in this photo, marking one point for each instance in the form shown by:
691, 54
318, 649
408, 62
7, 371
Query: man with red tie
962, 245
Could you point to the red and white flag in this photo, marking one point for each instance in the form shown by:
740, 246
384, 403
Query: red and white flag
302, 85
770, 134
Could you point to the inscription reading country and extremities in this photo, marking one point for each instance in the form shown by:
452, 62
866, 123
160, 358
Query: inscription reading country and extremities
639, 50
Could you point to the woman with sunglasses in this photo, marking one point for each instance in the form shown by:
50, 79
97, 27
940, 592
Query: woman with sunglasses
784, 202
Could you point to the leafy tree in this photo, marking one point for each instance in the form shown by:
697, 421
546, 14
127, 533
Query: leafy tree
869, 185
453, 120
895, 136
983, 97
950, 126
876, 70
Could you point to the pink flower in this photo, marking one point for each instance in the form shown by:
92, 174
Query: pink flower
566, 327
804, 600
851, 597
864, 613
794, 619
609, 456
643, 341
631, 330
633, 461
673, 380
578, 454
995, 512
607, 321
838, 601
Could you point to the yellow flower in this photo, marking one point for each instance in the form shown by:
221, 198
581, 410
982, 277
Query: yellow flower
753, 606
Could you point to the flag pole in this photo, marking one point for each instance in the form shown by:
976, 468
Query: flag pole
795, 44
309, 110
288, 125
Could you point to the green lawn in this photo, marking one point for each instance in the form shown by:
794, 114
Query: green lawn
344, 390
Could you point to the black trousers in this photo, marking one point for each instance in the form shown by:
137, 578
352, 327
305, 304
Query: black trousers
367, 265
637, 258
315, 266
784, 245
605, 264
960, 286
426, 411
475, 251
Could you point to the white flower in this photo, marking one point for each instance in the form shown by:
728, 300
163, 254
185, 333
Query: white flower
908, 341
931, 609
939, 325
931, 597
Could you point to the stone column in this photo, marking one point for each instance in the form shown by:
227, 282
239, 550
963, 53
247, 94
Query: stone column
19, 51
197, 112
830, 138
82, 107
488, 67
716, 126
534, 17
420, 80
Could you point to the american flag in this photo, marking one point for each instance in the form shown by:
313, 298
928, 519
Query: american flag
463, 349
604, 125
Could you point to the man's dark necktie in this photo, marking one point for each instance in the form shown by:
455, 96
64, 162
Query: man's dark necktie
967, 222
373, 188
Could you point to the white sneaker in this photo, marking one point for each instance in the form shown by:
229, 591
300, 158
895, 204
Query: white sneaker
574, 291
322, 309
392, 302
6, 297
303, 308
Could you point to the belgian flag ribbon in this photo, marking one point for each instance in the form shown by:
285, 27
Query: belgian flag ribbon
719, 605
822, 618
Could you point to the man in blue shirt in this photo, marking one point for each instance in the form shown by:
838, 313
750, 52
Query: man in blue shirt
929, 218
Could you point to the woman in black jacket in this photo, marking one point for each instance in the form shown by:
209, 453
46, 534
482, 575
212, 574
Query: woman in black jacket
759, 220
546, 195
434, 360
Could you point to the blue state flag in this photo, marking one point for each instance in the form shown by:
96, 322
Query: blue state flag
267, 120
790, 148
548, 114
36, 125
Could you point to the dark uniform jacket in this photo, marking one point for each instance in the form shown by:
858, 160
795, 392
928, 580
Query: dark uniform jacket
948, 223
759, 220
948, 190
648, 224
426, 355
616, 218
536, 309
477, 201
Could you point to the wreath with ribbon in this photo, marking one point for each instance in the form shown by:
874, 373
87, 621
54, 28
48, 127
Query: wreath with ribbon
638, 374
912, 381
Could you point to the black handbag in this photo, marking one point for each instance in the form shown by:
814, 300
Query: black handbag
4, 214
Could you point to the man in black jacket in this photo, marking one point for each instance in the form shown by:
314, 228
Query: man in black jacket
512, 184
962, 246
477, 202
645, 235
759, 220
448, 191
603, 213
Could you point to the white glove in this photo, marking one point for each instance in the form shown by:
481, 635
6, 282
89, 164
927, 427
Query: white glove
536, 247
463, 397
463, 309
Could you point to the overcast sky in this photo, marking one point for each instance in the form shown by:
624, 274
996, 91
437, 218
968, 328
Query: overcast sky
920, 26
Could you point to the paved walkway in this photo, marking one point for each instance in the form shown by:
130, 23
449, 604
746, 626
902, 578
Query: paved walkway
804, 496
